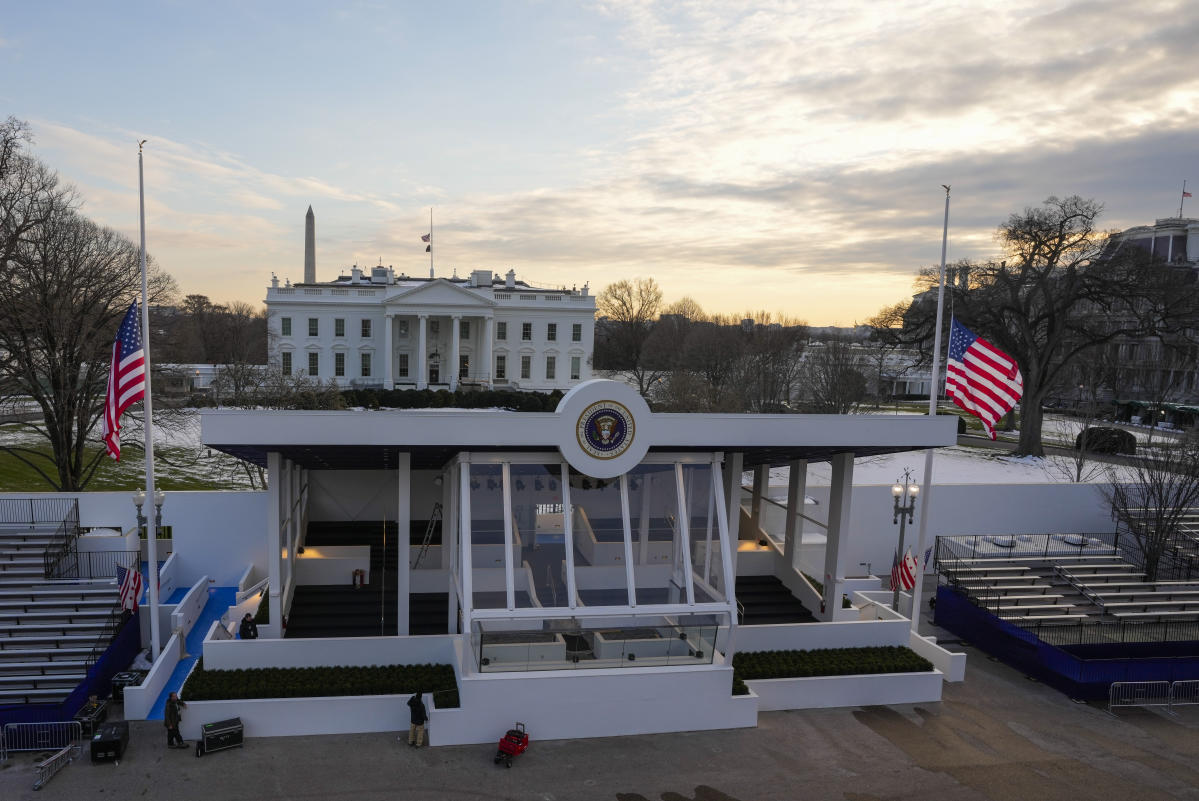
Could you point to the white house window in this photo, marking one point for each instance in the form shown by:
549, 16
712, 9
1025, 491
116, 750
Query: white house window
339, 327
365, 370
403, 372
526, 367
402, 327
463, 365
285, 326
435, 327
551, 332
314, 364
314, 326
501, 367
286, 362
576, 364
551, 364
366, 329
576, 332
526, 332
339, 364
464, 329
501, 330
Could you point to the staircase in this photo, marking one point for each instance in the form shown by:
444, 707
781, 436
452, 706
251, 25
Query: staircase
370, 611
48, 629
767, 601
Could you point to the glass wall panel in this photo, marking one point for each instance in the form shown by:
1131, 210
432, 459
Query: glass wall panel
599, 552
537, 510
707, 572
488, 584
657, 544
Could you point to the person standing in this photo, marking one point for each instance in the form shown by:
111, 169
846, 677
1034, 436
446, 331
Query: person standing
171, 718
248, 630
419, 716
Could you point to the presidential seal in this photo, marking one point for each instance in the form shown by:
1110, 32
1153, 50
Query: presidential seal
605, 429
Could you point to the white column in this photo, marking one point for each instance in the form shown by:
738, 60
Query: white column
797, 487
761, 487
422, 369
403, 516
836, 550
485, 374
388, 353
732, 495
275, 488
466, 556
449, 539
568, 537
509, 540
455, 346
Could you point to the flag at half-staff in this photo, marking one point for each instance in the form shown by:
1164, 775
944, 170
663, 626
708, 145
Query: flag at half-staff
980, 378
126, 379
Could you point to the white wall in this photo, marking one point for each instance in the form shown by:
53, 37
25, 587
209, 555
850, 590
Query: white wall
820, 692
140, 700
352, 495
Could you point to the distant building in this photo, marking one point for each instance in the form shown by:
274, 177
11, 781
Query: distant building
374, 328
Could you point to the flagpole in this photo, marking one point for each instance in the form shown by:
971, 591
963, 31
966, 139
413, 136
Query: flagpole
430, 242
148, 428
922, 539
1184, 196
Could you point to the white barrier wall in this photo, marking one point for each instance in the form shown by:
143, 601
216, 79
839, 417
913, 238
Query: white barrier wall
343, 651
140, 700
188, 610
963, 509
821, 692
215, 533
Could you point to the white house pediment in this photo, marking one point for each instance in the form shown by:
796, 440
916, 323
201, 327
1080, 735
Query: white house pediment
439, 293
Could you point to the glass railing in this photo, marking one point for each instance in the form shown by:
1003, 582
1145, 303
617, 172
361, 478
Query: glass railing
575, 644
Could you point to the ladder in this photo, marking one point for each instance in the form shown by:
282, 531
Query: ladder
434, 521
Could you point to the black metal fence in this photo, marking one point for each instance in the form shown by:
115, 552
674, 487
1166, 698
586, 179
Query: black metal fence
37, 512
102, 564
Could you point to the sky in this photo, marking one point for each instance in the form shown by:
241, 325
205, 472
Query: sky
776, 156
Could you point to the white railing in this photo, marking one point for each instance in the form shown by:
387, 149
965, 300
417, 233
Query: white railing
1138, 693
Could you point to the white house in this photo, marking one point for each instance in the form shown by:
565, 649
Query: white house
374, 328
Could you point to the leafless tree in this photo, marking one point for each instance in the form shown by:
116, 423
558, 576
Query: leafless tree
631, 309
1061, 288
771, 358
834, 379
1162, 490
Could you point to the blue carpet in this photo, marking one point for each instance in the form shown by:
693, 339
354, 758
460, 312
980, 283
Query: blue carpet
219, 601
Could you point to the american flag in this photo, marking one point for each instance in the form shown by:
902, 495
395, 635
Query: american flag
425, 237
981, 378
126, 379
131, 587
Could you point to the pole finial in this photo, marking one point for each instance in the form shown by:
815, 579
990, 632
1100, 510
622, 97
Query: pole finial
946, 188
139, 145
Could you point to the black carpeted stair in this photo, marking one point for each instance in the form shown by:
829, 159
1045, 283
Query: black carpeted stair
370, 611
766, 600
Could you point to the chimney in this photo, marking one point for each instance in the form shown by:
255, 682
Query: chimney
480, 278
310, 247
355, 275
510, 281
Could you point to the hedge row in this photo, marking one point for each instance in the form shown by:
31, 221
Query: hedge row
512, 400
223, 685
750, 665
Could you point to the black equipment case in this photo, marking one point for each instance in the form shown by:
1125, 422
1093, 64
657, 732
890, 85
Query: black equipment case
220, 735
110, 741
129, 678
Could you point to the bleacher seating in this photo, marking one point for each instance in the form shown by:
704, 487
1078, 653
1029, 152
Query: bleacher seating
48, 630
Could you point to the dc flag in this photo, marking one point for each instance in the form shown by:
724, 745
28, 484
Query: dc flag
981, 378
131, 587
126, 379
907, 571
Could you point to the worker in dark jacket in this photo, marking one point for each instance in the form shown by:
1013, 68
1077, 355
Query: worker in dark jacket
416, 731
248, 630
171, 718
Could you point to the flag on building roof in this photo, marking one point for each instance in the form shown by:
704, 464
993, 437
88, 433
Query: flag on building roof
980, 378
126, 379
425, 237
131, 587
428, 248
1186, 194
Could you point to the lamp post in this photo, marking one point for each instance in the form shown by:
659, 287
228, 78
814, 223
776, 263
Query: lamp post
139, 501
903, 497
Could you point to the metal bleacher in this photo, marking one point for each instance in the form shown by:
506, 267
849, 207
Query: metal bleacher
50, 629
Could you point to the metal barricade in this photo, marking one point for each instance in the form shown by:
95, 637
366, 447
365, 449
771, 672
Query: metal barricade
53, 764
1184, 693
1138, 693
49, 736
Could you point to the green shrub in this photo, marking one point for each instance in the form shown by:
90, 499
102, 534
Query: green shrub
223, 685
750, 665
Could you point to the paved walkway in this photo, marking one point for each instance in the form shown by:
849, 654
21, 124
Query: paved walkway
997, 736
